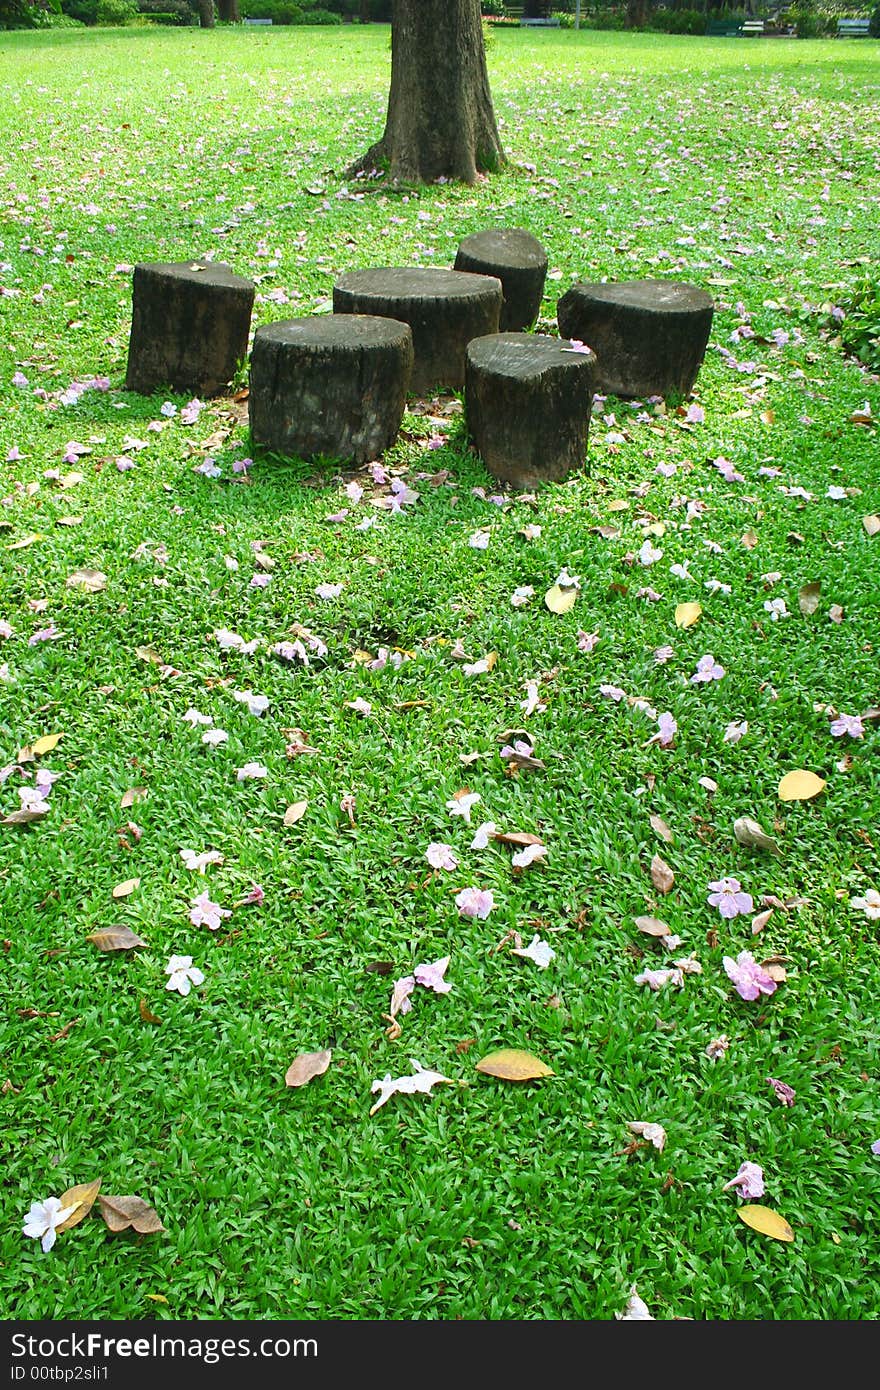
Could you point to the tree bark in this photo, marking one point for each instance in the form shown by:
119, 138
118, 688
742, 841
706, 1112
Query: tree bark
636, 14
229, 11
365, 11
206, 14
440, 121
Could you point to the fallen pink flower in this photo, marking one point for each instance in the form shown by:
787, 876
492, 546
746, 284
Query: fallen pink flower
749, 1180
784, 1094
441, 856
729, 898
206, 913
475, 902
749, 978
431, 976
708, 669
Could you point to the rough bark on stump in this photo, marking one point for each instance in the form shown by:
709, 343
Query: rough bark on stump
440, 121
189, 327
649, 336
528, 400
333, 385
444, 308
518, 260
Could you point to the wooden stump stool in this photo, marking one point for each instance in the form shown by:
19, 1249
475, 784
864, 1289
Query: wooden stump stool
649, 336
334, 386
518, 260
444, 309
189, 327
528, 399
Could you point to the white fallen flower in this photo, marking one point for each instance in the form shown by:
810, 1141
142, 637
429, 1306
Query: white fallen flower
193, 717
522, 595
479, 540
214, 736
183, 974
524, 857
44, 1218
649, 554
463, 805
257, 704
421, 1081
635, 1310
197, 863
537, 950
654, 1133
532, 701
251, 770
483, 835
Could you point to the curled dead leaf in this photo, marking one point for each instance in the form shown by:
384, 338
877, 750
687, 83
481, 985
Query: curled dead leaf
760, 921
132, 795
659, 826
652, 926
662, 876
120, 1213
767, 1221
146, 1014
512, 1064
307, 1066
82, 1198
749, 833
808, 598
749, 540
115, 939
522, 838
295, 812
25, 816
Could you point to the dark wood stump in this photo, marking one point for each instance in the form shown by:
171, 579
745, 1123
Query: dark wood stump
189, 327
649, 336
519, 261
444, 308
528, 399
334, 386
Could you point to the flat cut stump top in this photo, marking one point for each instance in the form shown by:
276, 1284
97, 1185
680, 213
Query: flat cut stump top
413, 284
651, 296
525, 357
510, 248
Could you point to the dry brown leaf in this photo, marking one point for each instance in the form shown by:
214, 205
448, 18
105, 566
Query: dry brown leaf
24, 817
115, 939
659, 826
295, 812
870, 523
132, 795
512, 1064
307, 1066
808, 598
82, 1197
124, 890
768, 1222
749, 540
146, 1014
560, 600
800, 785
620, 505
121, 1212
89, 581
686, 614
491, 661
835, 613
264, 561
522, 838
69, 520
768, 417
652, 926
149, 654
760, 921
662, 876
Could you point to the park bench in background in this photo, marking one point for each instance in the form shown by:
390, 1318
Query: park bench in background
722, 29
752, 29
853, 28
540, 23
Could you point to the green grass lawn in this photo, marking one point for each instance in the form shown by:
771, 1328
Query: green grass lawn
749, 169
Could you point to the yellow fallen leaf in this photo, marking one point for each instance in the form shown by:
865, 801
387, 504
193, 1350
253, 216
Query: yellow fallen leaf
656, 528
25, 541
156, 1297
42, 745
82, 1197
686, 614
619, 505
491, 661
870, 523
749, 540
560, 600
295, 812
124, 890
767, 1221
69, 520
800, 785
512, 1064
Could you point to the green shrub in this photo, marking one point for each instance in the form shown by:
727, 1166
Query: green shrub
116, 12
607, 18
678, 21
860, 329
319, 17
874, 26
279, 11
25, 14
172, 12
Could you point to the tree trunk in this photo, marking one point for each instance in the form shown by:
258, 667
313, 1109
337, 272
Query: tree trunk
229, 11
365, 11
440, 121
636, 14
206, 14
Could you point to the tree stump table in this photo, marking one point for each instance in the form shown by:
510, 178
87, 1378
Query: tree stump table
518, 260
528, 399
649, 336
189, 327
444, 308
334, 386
